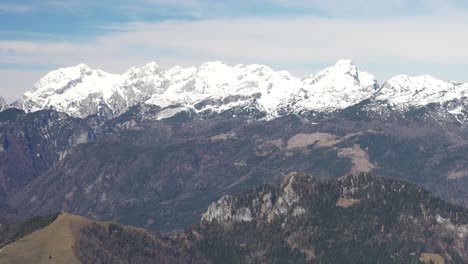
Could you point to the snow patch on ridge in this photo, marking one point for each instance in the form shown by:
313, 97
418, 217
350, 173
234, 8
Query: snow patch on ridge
170, 112
81, 91
338, 87
420, 90
217, 87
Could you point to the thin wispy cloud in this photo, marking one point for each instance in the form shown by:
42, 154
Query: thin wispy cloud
15, 8
284, 40
330, 8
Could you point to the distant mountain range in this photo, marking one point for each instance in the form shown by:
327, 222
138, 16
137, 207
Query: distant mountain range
153, 148
215, 87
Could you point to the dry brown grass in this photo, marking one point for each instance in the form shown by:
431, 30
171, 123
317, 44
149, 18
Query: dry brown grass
223, 136
435, 258
51, 244
319, 139
453, 175
359, 158
346, 202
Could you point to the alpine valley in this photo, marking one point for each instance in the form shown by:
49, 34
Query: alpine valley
240, 163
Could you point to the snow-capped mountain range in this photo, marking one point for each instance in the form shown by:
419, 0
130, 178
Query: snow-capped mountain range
214, 86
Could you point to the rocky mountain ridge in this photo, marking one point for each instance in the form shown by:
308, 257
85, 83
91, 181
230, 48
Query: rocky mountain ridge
3, 104
166, 163
164, 172
357, 218
215, 87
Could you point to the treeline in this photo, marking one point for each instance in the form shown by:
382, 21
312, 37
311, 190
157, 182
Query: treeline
10, 231
112, 243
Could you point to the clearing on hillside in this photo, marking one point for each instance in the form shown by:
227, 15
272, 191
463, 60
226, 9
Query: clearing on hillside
51, 244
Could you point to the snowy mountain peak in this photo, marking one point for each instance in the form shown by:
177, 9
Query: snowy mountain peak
66, 89
152, 64
217, 81
3, 104
81, 91
345, 73
341, 67
213, 65
215, 87
82, 67
338, 86
345, 64
413, 82
149, 69
420, 90
62, 77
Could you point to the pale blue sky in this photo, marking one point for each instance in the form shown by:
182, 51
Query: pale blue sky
383, 37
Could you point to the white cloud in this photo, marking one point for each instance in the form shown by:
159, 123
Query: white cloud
15, 8
204, 9
373, 8
328, 8
297, 43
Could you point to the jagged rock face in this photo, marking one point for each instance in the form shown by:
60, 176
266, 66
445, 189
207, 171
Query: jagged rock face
226, 211
333, 219
3, 104
263, 204
31, 144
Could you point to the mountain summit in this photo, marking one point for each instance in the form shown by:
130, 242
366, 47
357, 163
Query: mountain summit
3, 104
81, 91
420, 90
215, 87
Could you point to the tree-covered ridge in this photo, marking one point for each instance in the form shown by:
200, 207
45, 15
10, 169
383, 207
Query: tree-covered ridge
356, 219
112, 243
11, 231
